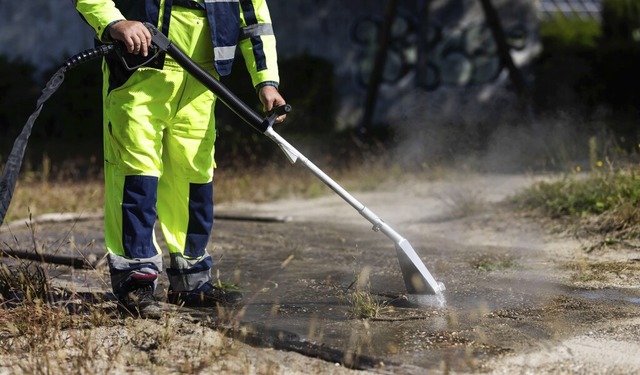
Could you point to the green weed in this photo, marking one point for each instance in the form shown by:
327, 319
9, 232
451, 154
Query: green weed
363, 304
607, 201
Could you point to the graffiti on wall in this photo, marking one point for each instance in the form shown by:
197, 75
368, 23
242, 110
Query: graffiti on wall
458, 56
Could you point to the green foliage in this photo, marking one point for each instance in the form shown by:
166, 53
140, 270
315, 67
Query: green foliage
602, 204
575, 34
599, 193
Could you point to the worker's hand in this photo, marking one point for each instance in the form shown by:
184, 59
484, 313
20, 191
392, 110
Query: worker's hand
270, 97
135, 36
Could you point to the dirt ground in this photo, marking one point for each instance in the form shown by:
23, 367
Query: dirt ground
521, 296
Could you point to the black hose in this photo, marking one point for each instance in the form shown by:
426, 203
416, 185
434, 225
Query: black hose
88, 55
14, 161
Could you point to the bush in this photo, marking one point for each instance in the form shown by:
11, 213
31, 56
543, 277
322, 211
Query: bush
569, 35
597, 194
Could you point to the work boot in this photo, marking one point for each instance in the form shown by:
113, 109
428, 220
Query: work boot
208, 295
140, 301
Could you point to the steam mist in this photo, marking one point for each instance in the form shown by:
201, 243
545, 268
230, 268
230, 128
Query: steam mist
488, 130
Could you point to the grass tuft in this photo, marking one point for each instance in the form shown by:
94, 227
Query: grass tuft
601, 202
23, 282
363, 304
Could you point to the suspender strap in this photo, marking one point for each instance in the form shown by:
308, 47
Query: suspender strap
224, 22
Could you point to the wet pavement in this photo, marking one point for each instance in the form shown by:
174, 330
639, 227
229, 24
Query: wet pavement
299, 278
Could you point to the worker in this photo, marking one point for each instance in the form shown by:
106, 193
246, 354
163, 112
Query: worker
159, 133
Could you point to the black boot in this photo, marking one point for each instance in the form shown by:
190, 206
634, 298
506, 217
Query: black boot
139, 300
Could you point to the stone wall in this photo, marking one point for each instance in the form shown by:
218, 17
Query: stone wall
439, 61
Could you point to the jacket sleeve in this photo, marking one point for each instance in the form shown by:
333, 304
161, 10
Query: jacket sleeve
258, 43
99, 14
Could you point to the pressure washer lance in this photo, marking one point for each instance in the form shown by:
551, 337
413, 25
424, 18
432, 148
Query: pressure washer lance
14, 161
420, 284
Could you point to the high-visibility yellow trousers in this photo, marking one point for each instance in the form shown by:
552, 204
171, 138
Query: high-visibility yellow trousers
159, 134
